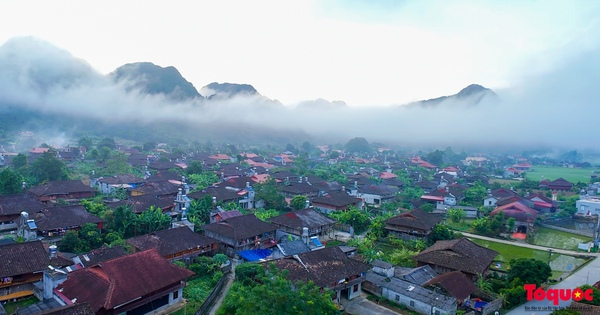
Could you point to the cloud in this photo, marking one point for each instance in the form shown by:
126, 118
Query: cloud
554, 108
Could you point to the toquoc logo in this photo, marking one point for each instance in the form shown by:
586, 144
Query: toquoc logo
555, 295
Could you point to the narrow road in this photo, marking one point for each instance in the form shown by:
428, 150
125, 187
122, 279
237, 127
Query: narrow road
544, 248
224, 290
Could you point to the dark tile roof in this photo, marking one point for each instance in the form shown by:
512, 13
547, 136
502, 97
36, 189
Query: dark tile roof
63, 217
293, 248
164, 176
99, 255
121, 179
241, 227
298, 219
237, 182
42, 307
221, 193
460, 254
336, 199
417, 219
120, 280
142, 203
161, 166
325, 267
171, 241
299, 188
455, 283
157, 188
381, 264
75, 309
381, 190
15, 204
516, 210
60, 187
22, 258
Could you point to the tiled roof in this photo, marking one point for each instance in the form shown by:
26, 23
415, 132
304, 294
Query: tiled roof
460, 254
221, 193
299, 188
336, 199
60, 187
157, 188
142, 203
164, 176
418, 275
63, 217
22, 258
325, 267
455, 283
120, 280
15, 204
308, 218
121, 179
171, 241
516, 210
75, 309
417, 219
241, 227
99, 255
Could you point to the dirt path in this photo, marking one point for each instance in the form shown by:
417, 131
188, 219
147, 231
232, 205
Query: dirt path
224, 290
544, 248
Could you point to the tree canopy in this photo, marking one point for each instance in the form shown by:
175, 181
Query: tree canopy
359, 145
528, 270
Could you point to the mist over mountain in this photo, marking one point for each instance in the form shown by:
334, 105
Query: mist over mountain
45, 88
152, 79
472, 95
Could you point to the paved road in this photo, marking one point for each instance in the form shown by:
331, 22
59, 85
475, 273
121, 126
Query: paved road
544, 248
588, 274
224, 290
361, 306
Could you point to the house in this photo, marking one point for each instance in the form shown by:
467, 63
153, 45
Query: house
139, 204
56, 221
416, 224
158, 189
454, 284
174, 244
588, 206
459, 254
383, 268
415, 297
335, 201
495, 195
559, 184
138, 284
98, 255
418, 275
240, 233
326, 268
21, 265
62, 189
223, 215
295, 222
542, 203
292, 189
11, 207
376, 194
523, 215
108, 185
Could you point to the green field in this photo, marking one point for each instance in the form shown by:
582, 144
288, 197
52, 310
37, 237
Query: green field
574, 175
558, 239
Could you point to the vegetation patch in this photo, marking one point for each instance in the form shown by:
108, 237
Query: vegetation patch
558, 239
574, 175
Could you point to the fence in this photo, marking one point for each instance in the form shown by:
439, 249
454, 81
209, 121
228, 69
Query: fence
214, 294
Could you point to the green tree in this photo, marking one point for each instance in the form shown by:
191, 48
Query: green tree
203, 180
265, 214
510, 224
358, 145
149, 146
456, 215
298, 202
19, 161
86, 142
106, 143
436, 157
595, 296
357, 219
70, 242
440, 233
10, 182
194, 167
90, 236
153, 219
528, 270
48, 167
269, 193
428, 207
475, 194
117, 165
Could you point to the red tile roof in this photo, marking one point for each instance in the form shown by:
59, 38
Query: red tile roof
516, 210
121, 280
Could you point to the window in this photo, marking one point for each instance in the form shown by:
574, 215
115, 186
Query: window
412, 303
355, 289
175, 294
397, 297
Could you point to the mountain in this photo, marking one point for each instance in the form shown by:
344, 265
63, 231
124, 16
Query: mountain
469, 96
152, 79
228, 90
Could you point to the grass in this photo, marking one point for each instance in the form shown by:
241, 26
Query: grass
558, 239
11, 307
507, 252
463, 226
196, 292
573, 175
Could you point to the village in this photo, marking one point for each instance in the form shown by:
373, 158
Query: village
100, 227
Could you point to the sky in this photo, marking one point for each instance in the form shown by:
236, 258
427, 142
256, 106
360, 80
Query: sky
365, 53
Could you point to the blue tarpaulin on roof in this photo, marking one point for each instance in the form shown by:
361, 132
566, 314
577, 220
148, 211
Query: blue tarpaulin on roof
316, 241
255, 254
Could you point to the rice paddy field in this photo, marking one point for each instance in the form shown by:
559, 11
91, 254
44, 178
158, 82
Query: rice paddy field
574, 175
558, 239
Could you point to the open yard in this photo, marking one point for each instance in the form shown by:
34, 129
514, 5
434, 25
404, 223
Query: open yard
573, 175
558, 239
